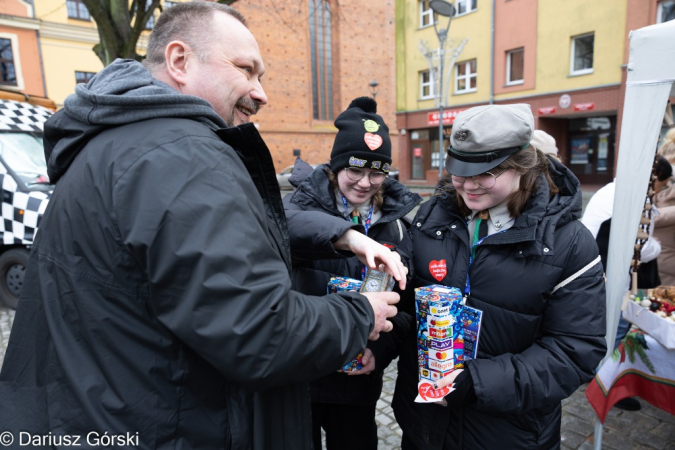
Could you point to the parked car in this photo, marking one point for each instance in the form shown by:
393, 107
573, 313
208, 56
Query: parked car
26, 187
284, 175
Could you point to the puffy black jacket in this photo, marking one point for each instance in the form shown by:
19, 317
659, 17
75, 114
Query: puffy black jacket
313, 270
157, 299
538, 343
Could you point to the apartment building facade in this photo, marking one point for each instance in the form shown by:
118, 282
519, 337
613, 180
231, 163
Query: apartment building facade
565, 59
20, 61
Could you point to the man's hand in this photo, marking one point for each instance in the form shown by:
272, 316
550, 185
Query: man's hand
367, 363
382, 304
373, 254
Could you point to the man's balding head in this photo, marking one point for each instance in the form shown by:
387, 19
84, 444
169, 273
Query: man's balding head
190, 22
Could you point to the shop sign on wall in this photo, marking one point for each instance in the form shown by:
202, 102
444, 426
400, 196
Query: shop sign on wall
547, 110
565, 101
448, 117
584, 106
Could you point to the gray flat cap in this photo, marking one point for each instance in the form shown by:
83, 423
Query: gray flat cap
484, 136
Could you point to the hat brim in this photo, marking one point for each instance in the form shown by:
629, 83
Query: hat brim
467, 169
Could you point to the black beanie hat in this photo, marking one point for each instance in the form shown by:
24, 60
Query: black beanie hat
363, 138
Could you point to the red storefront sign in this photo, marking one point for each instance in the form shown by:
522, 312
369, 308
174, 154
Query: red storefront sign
584, 106
547, 110
417, 152
448, 117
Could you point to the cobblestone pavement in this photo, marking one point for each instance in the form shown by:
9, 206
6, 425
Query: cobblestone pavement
650, 428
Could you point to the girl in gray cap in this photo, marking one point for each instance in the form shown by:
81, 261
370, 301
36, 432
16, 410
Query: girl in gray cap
503, 229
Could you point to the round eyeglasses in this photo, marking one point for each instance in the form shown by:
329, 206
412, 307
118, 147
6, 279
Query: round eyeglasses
356, 174
485, 180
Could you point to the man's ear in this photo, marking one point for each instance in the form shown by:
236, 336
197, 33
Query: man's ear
176, 56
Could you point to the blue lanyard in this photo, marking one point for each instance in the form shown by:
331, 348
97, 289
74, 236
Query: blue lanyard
472, 253
366, 225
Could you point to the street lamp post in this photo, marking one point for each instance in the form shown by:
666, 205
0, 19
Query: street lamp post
373, 87
442, 8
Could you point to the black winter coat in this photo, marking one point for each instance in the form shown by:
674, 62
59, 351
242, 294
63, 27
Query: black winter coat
537, 344
314, 266
157, 299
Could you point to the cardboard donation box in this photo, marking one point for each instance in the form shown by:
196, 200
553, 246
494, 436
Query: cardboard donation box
447, 335
374, 281
341, 284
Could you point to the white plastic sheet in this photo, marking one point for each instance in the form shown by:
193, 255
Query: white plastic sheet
651, 73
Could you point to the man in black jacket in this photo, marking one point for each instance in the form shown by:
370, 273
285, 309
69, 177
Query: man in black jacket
157, 311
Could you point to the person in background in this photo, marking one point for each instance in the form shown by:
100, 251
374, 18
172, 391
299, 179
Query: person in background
352, 188
545, 143
157, 301
503, 229
664, 229
598, 219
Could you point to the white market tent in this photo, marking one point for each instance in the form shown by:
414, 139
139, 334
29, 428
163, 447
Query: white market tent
650, 81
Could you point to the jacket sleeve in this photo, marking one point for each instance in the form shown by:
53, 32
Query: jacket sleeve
198, 228
666, 217
570, 346
312, 234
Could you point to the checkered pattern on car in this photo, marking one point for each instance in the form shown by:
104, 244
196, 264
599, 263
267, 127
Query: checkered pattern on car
21, 211
18, 116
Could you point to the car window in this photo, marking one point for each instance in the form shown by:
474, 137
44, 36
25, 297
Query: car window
24, 153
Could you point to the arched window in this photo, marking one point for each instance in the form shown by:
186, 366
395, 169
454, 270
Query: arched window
320, 33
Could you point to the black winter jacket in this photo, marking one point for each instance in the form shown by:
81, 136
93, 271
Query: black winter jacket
158, 299
537, 344
315, 264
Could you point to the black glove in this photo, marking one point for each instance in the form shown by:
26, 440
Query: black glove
464, 393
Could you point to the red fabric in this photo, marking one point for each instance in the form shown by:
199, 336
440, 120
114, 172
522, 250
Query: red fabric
659, 392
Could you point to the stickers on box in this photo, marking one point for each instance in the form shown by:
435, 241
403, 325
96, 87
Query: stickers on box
471, 319
341, 284
440, 346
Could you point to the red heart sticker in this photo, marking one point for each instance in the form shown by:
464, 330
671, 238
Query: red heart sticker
373, 141
427, 392
438, 269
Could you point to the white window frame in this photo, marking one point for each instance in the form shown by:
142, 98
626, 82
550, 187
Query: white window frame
17, 63
509, 54
466, 77
469, 7
573, 51
426, 14
429, 84
659, 10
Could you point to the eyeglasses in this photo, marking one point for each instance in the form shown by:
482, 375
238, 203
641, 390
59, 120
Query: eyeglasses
485, 180
355, 174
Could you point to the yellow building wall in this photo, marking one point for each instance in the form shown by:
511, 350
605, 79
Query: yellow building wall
558, 22
67, 47
474, 25
61, 59
56, 11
